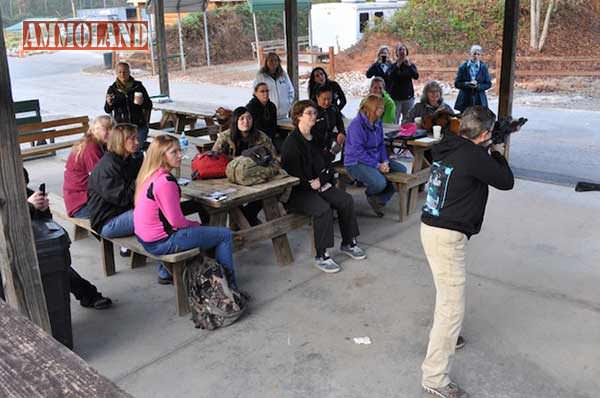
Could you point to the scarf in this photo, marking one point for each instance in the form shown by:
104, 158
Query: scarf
473, 69
125, 87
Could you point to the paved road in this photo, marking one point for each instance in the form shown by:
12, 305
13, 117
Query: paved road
557, 145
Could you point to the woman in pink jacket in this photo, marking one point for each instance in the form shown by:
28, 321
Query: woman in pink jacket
82, 160
159, 223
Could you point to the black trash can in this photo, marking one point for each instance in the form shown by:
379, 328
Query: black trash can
108, 60
52, 245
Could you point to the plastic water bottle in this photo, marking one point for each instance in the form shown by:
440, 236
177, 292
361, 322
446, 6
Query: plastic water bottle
184, 145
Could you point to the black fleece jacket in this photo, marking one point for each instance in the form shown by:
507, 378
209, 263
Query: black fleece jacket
111, 187
399, 82
458, 184
124, 110
303, 159
263, 116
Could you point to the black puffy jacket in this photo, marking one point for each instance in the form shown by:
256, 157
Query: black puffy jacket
111, 188
124, 110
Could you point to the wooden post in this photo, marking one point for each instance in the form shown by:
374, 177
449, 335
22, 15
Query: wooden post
261, 57
180, 34
507, 72
161, 46
291, 40
256, 39
331, 66
18, 261
497, 70
206, 41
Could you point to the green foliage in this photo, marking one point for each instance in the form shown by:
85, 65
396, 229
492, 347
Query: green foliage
269, 23
436, 25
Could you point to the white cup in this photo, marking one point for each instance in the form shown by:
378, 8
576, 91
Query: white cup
138, 98
418, 121
437, 132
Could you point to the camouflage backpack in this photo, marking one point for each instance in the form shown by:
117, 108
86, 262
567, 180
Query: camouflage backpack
213, 302
246, 170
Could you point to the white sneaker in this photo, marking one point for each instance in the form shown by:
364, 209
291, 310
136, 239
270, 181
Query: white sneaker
353, 251
326, 264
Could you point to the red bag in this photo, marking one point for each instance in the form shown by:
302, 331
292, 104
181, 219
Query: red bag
208, 165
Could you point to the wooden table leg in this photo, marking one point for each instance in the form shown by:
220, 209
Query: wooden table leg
419, 159
182, 303
108, 257
210, 122
164, 119
180, 124
402, 202
236, 215
281, 245
137, 260
218, 219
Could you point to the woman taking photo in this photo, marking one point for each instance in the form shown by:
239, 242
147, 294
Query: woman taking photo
159, 222
382, 65
112, 184
472, 80
263, 111
365, 155
281, 90
431, 101
400, 83
318, 78
243, 135
316, 196
128, 102
82, 160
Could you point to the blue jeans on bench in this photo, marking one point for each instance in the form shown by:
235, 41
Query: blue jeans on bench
375, 180
119, 226
197, 237
84, 212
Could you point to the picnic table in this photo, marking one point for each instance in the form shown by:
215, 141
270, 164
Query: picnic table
182, 113
278, 223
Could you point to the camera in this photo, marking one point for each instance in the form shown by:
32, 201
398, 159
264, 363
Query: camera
505, 126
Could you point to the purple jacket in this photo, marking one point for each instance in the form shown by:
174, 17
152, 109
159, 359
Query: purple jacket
364, 142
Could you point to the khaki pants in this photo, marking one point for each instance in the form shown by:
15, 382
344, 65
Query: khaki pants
445, 251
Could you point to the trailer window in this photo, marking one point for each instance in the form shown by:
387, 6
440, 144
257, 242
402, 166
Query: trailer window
363, 20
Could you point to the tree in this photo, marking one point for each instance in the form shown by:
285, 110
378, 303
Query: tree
537, 38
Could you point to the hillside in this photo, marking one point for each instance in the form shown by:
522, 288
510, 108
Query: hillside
574, 31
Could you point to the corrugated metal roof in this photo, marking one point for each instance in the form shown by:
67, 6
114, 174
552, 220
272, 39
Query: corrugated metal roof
270, 5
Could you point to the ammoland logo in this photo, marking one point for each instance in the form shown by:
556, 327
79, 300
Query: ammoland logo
85, 35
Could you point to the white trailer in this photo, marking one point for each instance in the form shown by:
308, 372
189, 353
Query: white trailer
341, 25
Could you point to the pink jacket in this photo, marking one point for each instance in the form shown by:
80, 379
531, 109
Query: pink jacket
157, 211
77, 173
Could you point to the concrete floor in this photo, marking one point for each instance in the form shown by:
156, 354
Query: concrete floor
532, 324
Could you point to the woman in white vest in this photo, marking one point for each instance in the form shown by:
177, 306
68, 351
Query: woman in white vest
281, 90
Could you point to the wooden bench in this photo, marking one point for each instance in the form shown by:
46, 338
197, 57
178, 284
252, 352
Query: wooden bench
39, 131
406, 187
277, 46
242, 238
174, 262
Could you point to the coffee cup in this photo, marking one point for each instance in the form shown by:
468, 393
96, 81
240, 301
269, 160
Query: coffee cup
437, 132
418, 121
138, 98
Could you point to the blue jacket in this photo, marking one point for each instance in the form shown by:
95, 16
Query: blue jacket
364, 142
468, 96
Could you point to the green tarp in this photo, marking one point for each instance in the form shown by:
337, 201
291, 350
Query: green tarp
273, 5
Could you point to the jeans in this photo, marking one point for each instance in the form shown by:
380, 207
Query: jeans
84, 212
402, 108
143, 136
198, 237
376, 183
116, 227
445, 251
